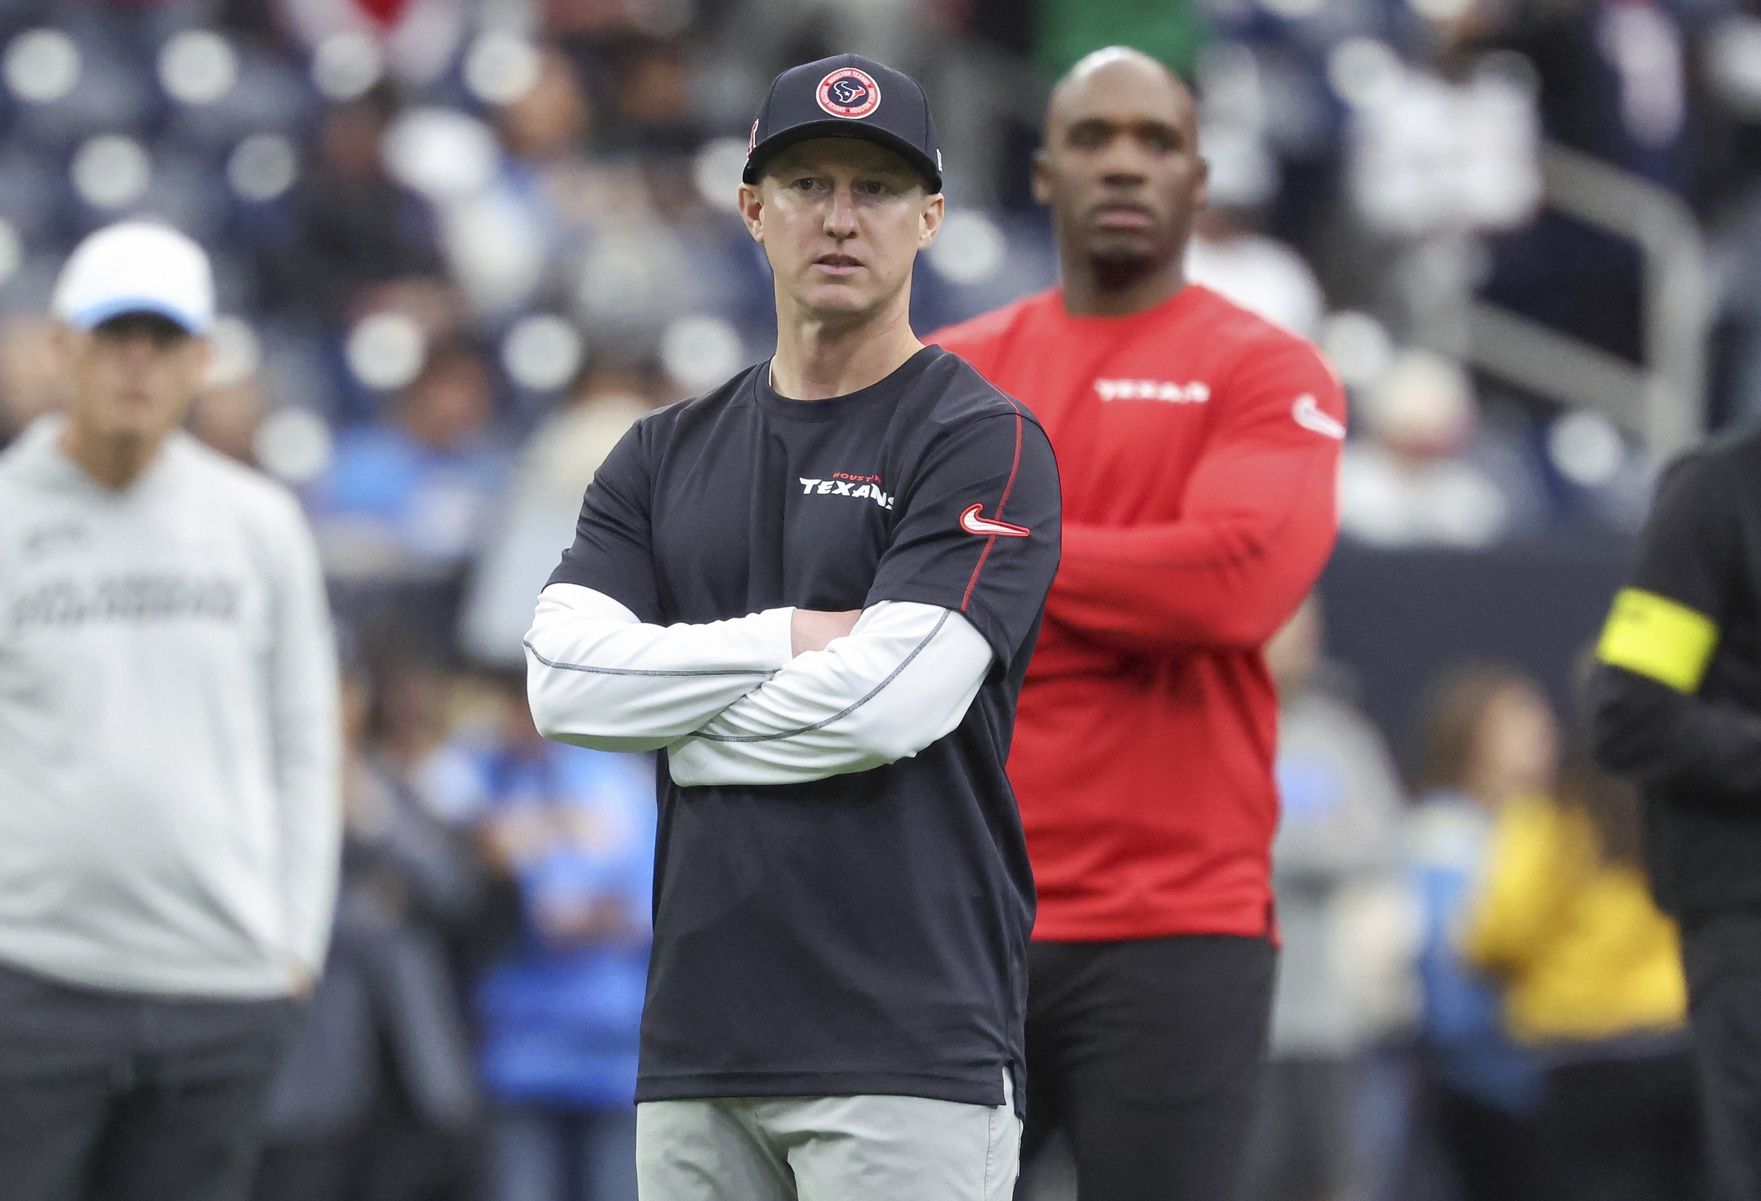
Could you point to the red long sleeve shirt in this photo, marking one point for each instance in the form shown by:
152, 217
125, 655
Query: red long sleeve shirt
1198, 447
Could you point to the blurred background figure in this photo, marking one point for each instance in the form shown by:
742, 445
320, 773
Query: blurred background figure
1490, 741
1443, 153
1673, 702
413, 498
572, 833
514, 238
541, 500
1230, 251
1563, 921
1611, 79
30, 385
357, 225
378, 1101
229, 418
169, 740
1427, 470
1335, 865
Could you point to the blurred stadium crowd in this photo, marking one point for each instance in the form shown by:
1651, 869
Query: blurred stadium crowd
462, 244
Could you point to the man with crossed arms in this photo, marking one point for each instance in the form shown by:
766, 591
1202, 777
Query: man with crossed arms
816, 589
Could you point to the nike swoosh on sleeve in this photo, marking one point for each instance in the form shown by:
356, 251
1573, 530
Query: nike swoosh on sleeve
986, 527
1308, 414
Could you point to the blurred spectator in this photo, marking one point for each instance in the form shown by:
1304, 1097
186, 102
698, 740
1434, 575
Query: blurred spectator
1611, 76
1598, 476
30, 384
1440, 149
795, 30
1674, 701
359, 226
1739, 256
411, 499
1490, 739
1612, 80
653, 97
168, 754
574, 831
1445, 147
512, 241
378, 1101
550, 121
1333, 861
1592, 971
416, 39
654, 253
228, 417
1231, 254
1734, 206
1426, 472
610, 21
543, 498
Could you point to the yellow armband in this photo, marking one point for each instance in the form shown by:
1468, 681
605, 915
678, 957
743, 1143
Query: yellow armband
1658, 638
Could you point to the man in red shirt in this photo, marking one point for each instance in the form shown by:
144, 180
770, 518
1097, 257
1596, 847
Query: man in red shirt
1198, 446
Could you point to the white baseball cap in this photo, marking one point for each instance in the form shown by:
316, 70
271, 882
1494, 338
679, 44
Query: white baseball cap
136, 267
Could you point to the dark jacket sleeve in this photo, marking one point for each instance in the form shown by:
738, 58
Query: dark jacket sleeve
1649, 719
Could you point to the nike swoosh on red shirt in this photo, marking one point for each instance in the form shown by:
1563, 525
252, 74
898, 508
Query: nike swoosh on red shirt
1308, 414
986, 527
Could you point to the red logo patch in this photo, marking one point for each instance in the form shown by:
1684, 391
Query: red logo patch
986, 527
848, 92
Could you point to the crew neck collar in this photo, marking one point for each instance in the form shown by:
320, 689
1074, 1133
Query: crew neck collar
886, 388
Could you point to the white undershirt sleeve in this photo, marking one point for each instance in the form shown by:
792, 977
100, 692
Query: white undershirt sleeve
597, 677
903, 678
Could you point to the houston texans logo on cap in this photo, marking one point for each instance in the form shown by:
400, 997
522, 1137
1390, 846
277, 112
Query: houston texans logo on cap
848, 92
840, 96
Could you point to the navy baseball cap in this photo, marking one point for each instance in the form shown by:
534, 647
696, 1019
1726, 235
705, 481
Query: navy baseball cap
846, 96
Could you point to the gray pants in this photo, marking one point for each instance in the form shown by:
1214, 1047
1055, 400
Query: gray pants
869, 1148
126, 1097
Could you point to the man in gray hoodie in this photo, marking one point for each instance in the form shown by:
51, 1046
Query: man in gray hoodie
168, 753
